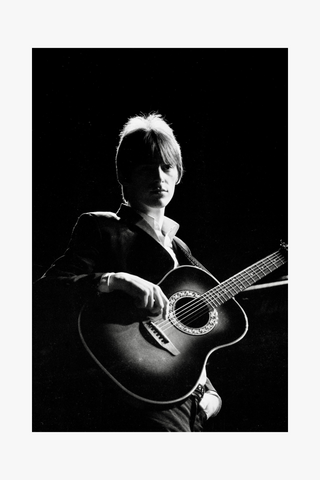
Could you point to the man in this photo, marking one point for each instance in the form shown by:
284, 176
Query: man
128, 252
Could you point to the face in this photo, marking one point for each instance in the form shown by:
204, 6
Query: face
152, 185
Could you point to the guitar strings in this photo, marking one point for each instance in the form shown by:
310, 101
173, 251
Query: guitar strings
195, 308
213, 297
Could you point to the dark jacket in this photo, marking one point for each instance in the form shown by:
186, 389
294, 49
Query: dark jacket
101, 242
106, 242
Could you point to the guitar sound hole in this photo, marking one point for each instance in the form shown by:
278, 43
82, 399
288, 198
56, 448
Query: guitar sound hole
194, 315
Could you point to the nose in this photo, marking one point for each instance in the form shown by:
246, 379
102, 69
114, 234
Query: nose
158, 173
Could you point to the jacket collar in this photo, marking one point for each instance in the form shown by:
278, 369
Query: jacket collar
126, 213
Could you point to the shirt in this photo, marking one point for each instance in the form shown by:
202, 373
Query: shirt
163, 235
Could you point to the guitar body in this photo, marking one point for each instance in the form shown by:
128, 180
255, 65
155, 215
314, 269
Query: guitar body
159, 362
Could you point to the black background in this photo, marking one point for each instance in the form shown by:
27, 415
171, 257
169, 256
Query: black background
229, 111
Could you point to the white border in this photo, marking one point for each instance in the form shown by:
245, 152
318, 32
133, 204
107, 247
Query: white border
180, 24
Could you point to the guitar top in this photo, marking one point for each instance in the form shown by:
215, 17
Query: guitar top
159, 361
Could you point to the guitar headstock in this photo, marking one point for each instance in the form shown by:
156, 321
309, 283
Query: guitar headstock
283, 245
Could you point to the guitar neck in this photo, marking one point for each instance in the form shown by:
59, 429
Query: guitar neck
244, 279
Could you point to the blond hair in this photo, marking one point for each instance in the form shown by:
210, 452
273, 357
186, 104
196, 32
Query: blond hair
142, 137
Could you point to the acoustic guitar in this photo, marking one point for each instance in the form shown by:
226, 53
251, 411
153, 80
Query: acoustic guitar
159, 361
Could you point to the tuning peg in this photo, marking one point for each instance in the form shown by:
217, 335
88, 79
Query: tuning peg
283, 245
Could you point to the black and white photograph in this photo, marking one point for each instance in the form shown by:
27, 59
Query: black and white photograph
160, 240
160, 230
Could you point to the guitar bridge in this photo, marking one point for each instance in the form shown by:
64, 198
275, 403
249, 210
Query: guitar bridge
160, 338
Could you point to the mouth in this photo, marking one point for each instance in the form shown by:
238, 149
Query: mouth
159, 190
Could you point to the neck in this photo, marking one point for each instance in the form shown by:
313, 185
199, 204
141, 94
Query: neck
156, 213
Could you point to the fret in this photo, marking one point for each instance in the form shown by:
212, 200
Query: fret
244, 279
212, 298
222, 294
234, 288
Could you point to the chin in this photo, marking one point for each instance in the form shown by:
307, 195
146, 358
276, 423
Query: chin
161, 203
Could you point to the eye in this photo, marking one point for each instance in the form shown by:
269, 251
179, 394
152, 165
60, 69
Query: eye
166, 167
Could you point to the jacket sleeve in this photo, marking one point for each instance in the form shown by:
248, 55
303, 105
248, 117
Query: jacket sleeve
80, 267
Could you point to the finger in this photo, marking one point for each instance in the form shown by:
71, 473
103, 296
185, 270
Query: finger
158, 298
151, 301
165, 312
161, 302
143, 299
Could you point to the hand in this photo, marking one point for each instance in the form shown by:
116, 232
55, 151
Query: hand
211, 404
146, 294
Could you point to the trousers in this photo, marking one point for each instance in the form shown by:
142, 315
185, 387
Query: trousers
187, 417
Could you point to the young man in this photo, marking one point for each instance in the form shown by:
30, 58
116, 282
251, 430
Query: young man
129, 252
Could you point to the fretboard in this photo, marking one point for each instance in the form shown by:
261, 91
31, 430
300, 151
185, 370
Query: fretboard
244, 279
